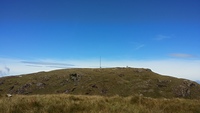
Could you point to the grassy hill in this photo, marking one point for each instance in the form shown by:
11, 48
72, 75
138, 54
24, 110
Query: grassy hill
105, 82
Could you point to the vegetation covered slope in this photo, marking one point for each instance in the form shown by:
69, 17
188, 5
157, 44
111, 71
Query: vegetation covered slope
104, 81
65, 103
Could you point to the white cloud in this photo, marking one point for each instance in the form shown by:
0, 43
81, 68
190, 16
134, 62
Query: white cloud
178, 68
17, 66
139, 46
189, 69
182, 55
161, 37
42, 63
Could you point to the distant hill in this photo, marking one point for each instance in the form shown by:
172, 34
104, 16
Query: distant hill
104, 81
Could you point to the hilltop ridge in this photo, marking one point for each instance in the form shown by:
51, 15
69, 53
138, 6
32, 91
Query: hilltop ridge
101, 81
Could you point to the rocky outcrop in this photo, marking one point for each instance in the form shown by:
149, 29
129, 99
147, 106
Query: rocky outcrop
163, 83
140, 70
64, 82
25, 89
184, 90
40, 85
73, 77
189, 83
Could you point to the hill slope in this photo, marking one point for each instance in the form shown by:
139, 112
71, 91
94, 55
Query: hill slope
104, 81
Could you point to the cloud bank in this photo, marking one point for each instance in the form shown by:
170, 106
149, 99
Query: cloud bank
189, 69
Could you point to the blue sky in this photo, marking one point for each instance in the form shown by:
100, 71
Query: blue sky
41, 35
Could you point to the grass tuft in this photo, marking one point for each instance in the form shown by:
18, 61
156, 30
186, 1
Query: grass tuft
62, 103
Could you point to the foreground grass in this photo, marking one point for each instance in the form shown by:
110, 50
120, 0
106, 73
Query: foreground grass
63, 103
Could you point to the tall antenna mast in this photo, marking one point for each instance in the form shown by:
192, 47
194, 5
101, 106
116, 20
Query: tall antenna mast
100, 61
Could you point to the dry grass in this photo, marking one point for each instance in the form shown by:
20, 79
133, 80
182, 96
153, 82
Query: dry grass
62, 103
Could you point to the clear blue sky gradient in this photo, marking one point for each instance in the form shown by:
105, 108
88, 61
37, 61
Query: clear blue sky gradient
87, 29
43, 35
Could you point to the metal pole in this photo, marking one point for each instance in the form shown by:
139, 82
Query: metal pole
100, 61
